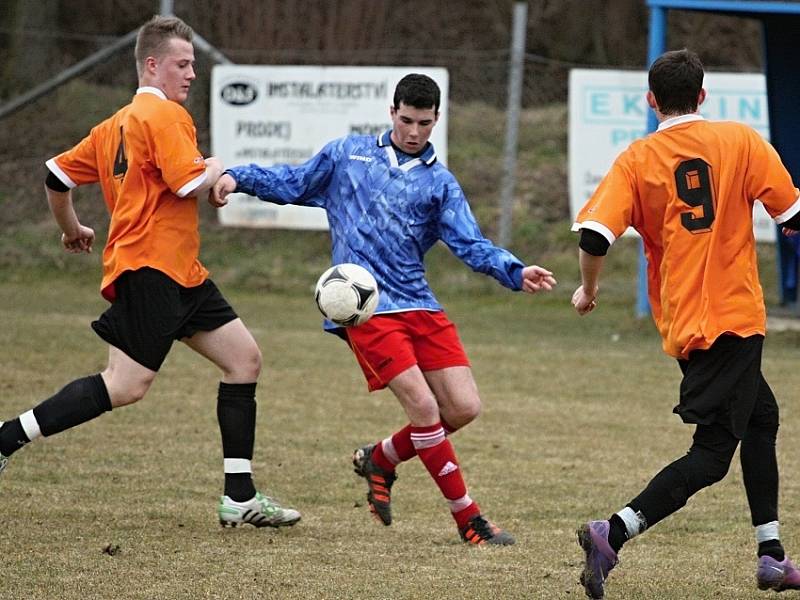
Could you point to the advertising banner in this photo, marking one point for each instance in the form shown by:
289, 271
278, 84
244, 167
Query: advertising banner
608, 110
285, 114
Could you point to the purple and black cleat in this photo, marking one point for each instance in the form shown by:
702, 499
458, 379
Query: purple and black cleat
777, 575
600, 557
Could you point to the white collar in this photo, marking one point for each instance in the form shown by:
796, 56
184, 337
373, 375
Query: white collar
672, 121
148, 89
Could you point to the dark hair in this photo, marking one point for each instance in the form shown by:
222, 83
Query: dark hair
417, 90
675, 79
154, 36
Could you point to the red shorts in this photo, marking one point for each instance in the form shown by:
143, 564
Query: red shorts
388, 344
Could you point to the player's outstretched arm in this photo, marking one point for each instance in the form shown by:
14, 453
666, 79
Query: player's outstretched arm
75, 237
536, 279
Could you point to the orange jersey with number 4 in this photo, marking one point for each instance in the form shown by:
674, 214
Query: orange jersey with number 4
688, 189
146, 160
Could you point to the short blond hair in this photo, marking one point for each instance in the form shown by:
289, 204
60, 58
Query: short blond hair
156, 34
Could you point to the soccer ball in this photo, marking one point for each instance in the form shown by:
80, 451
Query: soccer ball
347, 294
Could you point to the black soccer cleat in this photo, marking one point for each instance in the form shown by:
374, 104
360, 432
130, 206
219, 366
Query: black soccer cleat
480, 531
379, 483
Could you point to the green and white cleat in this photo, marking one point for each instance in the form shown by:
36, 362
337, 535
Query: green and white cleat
261, 511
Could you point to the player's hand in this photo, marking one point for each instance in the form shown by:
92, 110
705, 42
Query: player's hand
219, 193
536, 279
80, 242
789, 232
583, 301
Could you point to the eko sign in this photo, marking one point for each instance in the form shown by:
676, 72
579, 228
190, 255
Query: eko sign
608, 110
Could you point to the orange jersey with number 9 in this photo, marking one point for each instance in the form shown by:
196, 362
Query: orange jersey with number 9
688, 189
146, 160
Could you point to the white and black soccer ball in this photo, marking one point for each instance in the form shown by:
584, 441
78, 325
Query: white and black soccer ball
347, 294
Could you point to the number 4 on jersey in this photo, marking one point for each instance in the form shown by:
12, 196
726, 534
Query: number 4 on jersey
121, 161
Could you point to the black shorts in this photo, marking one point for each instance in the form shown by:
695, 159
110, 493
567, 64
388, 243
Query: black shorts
151, 311
723, 385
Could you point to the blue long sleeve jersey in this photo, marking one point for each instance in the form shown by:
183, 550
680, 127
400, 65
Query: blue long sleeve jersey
384, 215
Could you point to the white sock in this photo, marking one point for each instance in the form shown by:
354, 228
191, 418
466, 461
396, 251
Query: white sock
236, 465
767, 531
635, 523
30, 425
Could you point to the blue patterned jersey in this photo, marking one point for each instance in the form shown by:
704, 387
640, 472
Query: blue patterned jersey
384, 215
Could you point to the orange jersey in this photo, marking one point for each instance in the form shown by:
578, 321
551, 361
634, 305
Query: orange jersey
146, 159
688, 189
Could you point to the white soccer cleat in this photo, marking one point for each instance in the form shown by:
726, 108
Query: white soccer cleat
261, 511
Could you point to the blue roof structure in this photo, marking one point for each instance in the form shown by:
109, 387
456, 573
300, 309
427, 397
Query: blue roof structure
755, 8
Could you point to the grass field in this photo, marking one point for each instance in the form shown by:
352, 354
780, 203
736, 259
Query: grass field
576, 420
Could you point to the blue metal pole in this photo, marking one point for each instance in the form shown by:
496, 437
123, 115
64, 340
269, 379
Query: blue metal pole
655, 48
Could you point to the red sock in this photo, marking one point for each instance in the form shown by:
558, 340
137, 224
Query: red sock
380, 459
437, 454
448, 429
401, 442
398, 448
463, 516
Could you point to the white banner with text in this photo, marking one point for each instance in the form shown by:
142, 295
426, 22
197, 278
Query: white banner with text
285, 114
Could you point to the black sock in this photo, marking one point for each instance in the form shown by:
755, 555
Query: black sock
12, 437
236, 413
771, 548
239, 486
77, 402
617, 533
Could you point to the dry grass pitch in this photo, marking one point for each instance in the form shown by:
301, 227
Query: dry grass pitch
576, 420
